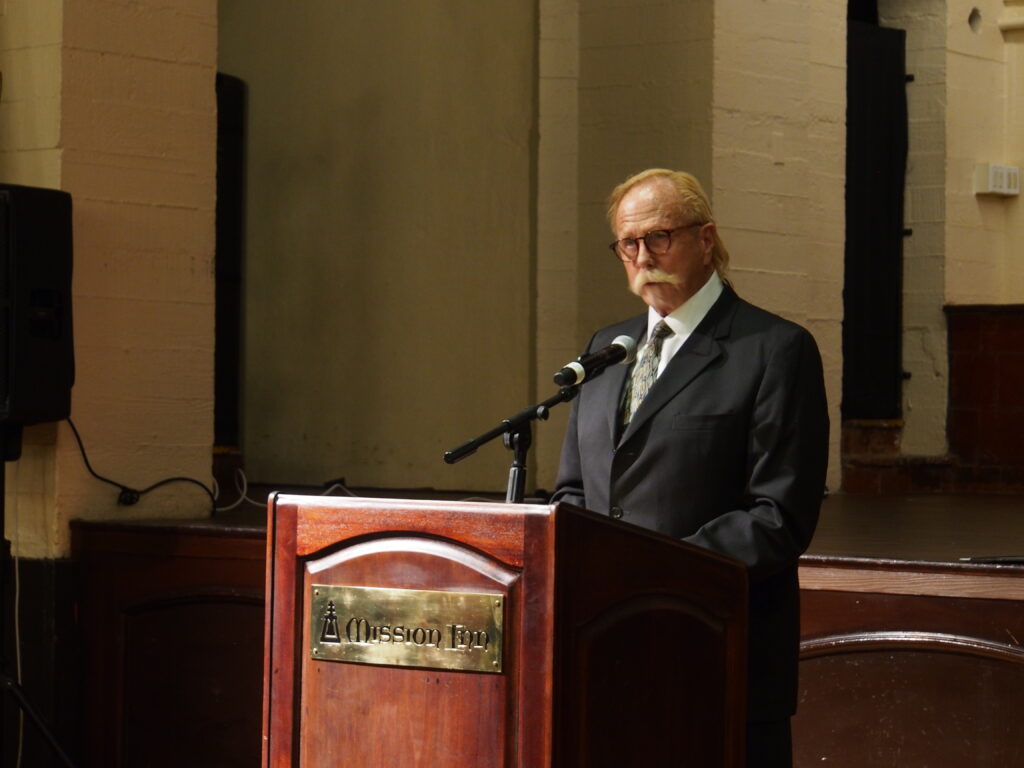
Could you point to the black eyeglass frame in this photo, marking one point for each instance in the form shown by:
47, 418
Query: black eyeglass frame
636, 241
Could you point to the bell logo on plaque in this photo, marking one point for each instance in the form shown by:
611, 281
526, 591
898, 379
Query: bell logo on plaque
329, 630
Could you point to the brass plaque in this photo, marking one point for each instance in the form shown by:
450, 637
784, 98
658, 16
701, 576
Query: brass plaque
407, 627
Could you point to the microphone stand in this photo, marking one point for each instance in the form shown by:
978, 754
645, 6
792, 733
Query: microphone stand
517, 432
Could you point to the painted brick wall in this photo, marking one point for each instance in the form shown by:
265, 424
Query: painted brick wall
557, 225
124, 120
978, 94
138, 130
1011, 24
30, 51
778, 165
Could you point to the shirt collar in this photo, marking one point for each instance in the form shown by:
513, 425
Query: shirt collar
686, 317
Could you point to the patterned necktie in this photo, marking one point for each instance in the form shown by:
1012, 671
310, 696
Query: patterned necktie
644, 372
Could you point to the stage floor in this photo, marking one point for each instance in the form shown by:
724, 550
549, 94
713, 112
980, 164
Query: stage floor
934, 528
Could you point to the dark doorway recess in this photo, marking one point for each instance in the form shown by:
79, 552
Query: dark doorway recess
231, 116
876, 160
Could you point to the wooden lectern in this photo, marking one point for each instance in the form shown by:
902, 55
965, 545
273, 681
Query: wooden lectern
415, 633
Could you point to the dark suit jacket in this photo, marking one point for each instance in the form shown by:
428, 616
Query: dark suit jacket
728, 451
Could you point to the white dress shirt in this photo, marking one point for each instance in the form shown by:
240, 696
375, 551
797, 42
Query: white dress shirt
684, 319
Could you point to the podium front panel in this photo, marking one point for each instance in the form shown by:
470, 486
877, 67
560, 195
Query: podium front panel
378, 714
651, 653
322, 712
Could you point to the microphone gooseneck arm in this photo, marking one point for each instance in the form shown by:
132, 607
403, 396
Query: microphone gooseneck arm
518, 435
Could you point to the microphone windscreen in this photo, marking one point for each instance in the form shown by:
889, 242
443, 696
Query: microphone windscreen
627, 343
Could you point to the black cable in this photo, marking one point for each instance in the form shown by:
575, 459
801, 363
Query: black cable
127, 495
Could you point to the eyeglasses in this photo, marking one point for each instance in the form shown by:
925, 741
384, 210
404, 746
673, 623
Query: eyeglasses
658, 241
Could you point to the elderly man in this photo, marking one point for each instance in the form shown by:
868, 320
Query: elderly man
718, 435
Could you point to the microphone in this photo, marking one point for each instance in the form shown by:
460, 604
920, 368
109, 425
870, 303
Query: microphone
621, 350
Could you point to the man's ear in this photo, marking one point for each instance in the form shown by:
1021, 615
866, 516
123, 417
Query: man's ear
707, 240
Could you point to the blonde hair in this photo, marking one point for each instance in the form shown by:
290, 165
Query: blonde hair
691, 199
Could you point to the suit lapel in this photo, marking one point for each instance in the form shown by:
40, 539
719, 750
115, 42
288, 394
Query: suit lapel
699, 351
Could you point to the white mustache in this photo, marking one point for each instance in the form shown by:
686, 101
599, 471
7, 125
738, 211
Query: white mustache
653, 275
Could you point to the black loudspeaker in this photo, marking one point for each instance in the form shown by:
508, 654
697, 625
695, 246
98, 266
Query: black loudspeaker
37, 359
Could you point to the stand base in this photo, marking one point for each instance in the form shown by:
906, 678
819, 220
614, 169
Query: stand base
11, 687
10, 448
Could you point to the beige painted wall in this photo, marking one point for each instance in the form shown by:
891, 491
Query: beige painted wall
558, 163
983, 111
390, 270
778, 164
1011, 23
115, 104
31, 33
645, 101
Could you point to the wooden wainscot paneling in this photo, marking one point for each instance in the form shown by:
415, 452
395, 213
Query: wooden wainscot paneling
171, 617
910, 663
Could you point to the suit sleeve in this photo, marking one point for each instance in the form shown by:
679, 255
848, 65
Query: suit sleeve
569, 482
787, 460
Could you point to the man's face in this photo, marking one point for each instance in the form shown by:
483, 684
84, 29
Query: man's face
668, 280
